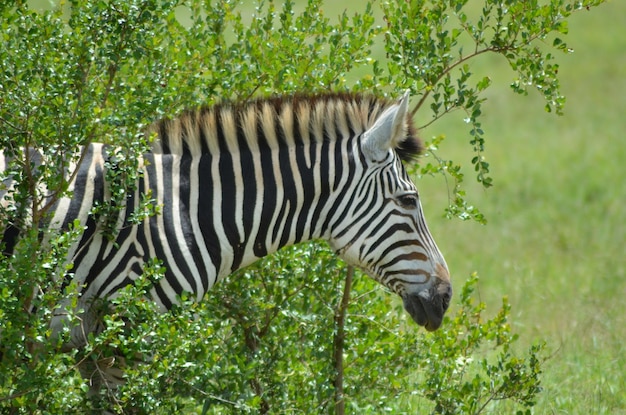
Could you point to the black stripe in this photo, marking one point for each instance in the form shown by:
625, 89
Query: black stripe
289, 185
228, 197
410, 256
205, 211
80, 183
323, 190
173, 243
394, 228
248, 175
307, 183
269, 193
341, 195
189, 242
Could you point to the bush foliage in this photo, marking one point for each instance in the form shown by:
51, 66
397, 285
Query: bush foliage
298, 332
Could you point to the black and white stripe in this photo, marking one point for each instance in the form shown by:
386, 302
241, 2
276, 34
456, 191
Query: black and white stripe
236, 182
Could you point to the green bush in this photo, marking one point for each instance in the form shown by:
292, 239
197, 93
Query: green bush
265, 343
296, 333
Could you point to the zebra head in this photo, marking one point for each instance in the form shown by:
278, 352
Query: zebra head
383, 230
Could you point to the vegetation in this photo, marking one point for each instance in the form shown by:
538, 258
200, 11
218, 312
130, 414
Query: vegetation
276, 338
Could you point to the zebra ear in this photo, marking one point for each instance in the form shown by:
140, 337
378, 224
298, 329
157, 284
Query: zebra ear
388, 130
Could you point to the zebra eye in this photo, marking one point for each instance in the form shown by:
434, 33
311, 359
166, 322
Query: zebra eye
408, 200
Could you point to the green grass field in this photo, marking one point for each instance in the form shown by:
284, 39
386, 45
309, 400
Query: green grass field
556, 233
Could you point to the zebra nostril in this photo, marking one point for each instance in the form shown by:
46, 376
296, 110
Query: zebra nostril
445, 300
446, 297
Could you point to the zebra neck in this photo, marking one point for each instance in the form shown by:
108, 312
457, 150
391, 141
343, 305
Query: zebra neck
251, 204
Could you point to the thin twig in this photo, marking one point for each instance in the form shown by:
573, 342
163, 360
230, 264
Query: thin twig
217, 398
448, 70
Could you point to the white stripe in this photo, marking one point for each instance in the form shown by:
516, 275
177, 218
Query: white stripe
230, 134
180, 239
267, 122
286, 122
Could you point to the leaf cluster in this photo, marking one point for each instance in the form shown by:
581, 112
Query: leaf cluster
431, 43
472, 365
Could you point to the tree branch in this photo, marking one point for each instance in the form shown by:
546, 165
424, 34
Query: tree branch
447, 70
339, 341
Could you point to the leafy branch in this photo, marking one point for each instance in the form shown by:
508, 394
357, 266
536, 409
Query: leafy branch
427, 48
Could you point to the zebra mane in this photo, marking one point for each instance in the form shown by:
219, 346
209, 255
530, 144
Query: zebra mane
279, 119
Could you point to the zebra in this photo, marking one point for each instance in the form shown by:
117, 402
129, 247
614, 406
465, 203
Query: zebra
237, 181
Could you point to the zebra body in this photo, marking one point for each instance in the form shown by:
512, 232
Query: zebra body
237, 182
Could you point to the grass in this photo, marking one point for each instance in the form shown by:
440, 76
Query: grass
556, 233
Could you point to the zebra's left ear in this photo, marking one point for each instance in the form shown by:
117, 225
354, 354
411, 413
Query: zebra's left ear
388, 130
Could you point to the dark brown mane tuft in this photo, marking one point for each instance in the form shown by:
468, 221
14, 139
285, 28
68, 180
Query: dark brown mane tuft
412, 146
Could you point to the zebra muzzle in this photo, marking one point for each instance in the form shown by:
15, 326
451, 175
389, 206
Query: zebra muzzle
427, 307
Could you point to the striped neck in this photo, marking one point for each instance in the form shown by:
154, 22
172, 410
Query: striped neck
272, 197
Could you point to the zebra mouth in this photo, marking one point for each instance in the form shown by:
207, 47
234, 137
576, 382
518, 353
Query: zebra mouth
425, 310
